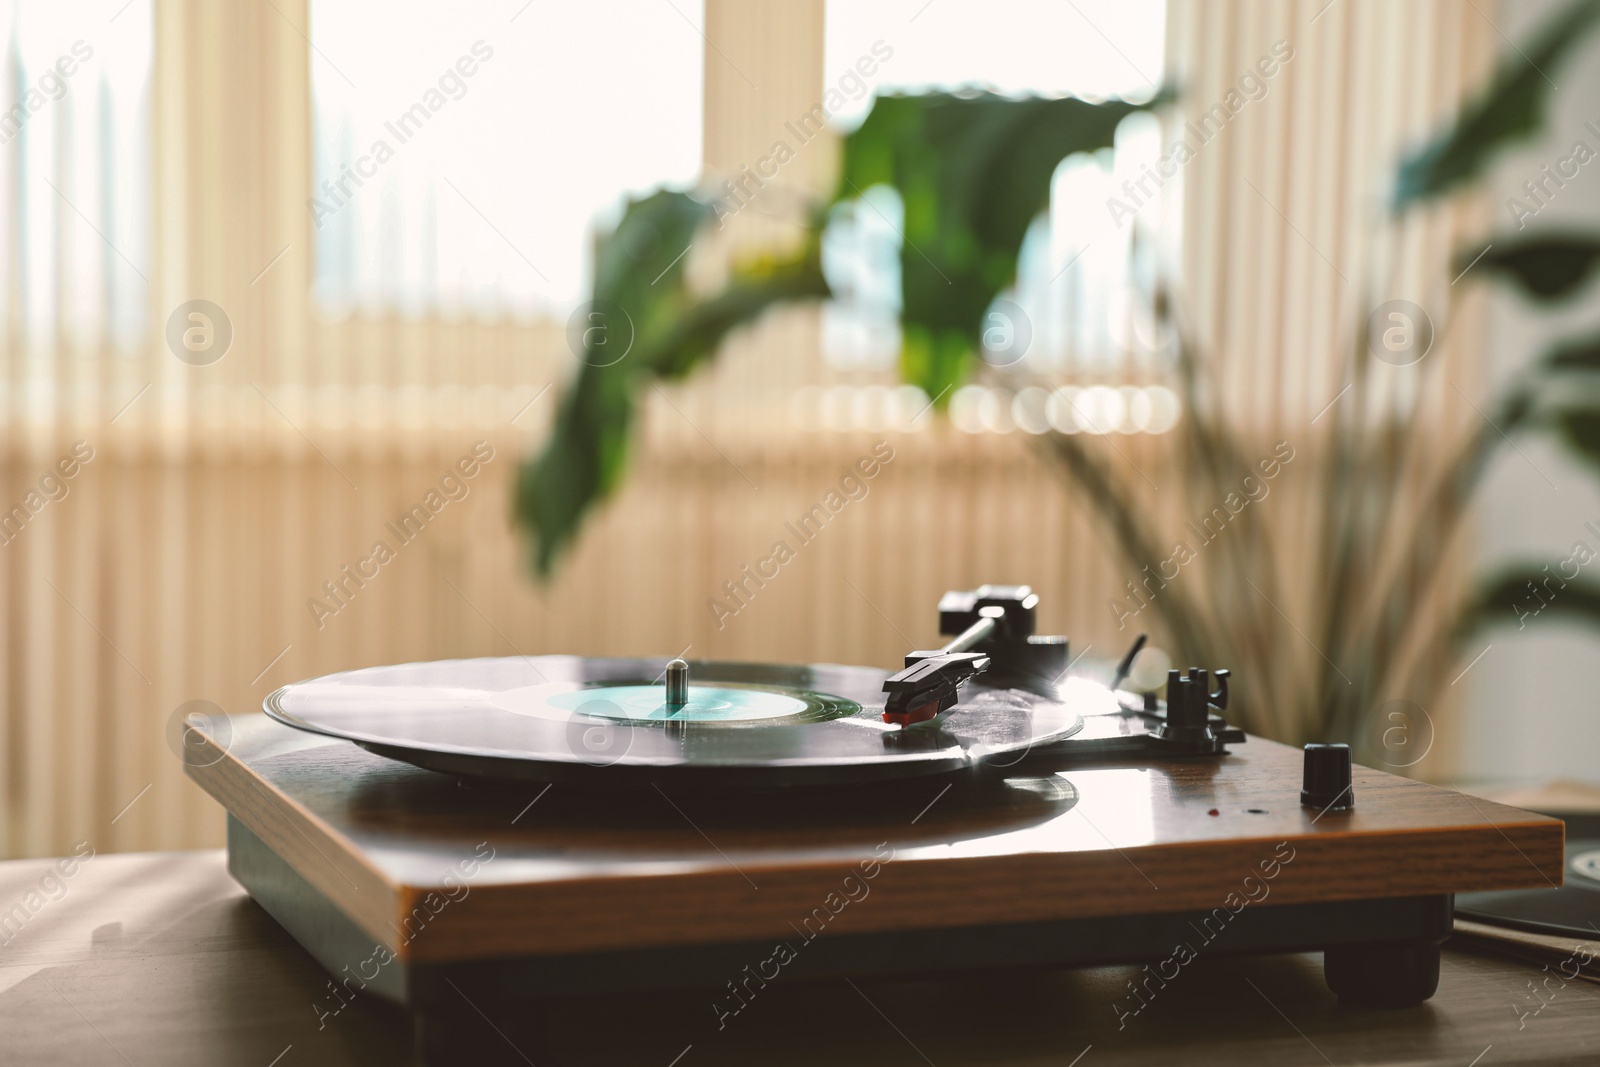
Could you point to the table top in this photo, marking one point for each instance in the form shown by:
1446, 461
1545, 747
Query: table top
163, 959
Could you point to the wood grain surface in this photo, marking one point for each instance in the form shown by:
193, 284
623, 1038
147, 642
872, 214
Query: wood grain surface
396, 847
149, 959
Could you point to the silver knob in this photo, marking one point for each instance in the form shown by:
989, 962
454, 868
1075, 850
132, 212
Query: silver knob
677, 684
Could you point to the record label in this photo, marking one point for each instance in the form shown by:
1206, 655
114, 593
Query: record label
643, 704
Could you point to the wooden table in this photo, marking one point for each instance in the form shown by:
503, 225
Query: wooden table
163, 959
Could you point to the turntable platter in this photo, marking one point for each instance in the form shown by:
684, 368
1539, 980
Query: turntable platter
607, 722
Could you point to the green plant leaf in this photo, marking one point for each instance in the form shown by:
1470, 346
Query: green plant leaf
1545, 267
645, 307
973, 171
1579, 428
1564, 395
1526, 594
1510, 109
1580, 354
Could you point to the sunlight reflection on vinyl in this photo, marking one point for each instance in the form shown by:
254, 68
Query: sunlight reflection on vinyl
1086, 696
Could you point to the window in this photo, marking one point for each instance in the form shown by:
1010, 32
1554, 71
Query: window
1080, 268
74, 134
464, 151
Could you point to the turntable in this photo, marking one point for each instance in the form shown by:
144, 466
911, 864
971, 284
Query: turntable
477, 839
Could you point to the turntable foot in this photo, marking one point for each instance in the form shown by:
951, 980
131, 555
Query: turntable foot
1393, 975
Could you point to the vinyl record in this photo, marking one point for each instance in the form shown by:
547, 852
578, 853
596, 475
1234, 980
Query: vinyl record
1571, 910
605, 721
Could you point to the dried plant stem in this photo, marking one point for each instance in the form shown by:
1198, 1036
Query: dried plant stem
1128, 529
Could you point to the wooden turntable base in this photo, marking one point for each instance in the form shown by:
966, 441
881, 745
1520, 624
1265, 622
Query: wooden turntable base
415, 880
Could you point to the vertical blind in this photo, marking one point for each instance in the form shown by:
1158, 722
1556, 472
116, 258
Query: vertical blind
74, 134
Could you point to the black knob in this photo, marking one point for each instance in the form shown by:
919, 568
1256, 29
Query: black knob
1328, 785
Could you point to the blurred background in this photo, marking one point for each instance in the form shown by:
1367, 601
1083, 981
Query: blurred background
370, 316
